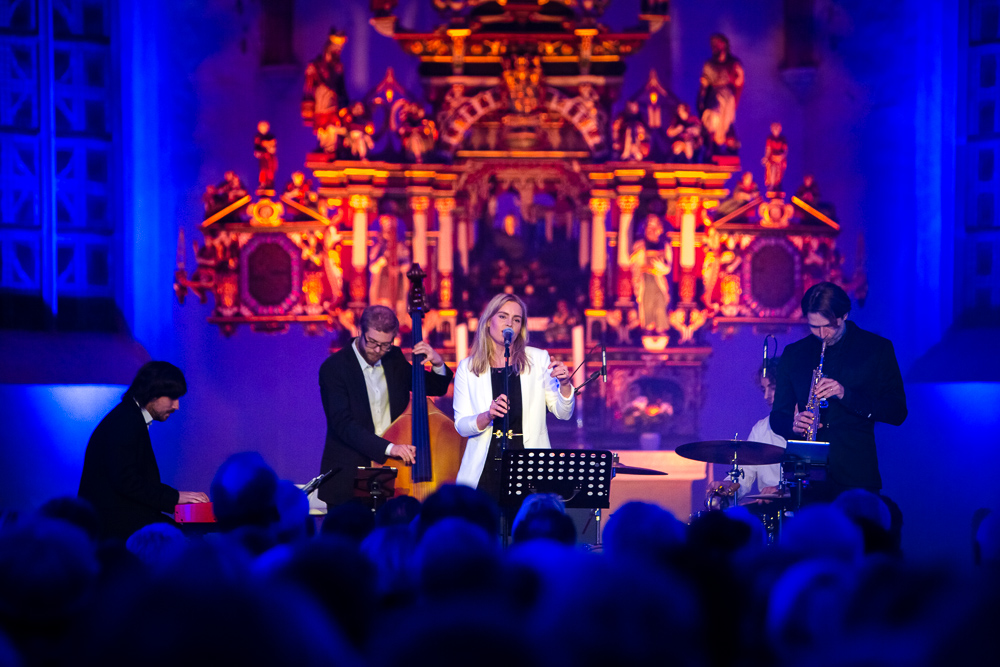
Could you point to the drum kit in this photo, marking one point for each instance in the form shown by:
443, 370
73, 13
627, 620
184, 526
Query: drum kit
796, 472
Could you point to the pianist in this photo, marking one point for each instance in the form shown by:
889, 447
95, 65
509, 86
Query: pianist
120, 476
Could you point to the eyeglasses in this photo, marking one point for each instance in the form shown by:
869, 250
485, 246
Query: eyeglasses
374, 345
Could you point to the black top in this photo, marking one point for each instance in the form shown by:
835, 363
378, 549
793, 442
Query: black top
350, 429
490, 481
865, 364
120, 476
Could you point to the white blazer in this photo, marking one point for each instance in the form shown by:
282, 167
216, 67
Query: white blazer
473, 395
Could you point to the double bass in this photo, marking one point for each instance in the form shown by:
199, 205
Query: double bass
438, 445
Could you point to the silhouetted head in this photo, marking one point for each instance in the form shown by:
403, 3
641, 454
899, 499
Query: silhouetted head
243, 492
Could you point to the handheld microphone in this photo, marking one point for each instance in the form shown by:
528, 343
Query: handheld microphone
508, 336
604, 362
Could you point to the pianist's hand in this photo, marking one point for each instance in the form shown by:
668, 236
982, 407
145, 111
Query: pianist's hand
187, 497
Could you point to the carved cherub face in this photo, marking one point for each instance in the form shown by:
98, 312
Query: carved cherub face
298, 178
808, 180
747, 179
775, 129
683, 111
263, 127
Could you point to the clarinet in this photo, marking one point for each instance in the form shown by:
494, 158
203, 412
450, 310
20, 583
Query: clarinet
815, 403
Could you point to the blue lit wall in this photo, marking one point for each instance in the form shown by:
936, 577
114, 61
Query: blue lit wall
876, 128
45, 433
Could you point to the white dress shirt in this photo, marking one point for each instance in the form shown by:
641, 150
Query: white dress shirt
145, 414
378, 392
764, 475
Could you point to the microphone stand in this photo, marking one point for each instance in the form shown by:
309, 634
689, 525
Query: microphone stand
504, 435
506, 392
593, 376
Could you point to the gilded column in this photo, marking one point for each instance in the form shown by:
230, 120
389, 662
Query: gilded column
598, 251
688, 207
419, 206
463, 241
446, 264
359, 249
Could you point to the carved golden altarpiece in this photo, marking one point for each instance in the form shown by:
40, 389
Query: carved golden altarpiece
512, 172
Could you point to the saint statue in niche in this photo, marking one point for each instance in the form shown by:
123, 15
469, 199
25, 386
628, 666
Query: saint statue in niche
651, 262
388, 261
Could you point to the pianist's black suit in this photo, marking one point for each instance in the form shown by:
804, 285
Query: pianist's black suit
350, 430
120, 476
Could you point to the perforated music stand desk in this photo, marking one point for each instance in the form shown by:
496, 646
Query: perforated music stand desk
581, 477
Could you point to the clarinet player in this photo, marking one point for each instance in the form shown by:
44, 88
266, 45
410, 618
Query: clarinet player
861, 385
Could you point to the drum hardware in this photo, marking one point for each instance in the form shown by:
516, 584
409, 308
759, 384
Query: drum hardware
734, 452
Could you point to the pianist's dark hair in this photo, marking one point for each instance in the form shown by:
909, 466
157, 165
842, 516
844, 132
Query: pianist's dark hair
155, 379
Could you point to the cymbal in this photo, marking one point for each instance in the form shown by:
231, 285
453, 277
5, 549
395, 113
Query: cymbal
622, 469
747, 452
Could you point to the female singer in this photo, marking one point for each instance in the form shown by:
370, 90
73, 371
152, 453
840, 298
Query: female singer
536, 382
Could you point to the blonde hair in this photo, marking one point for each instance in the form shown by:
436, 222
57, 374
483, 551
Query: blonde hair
483, 346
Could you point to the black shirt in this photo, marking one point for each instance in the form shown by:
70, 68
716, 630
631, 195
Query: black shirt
490, 481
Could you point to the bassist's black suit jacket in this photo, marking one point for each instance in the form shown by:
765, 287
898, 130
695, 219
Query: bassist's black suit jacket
350, 430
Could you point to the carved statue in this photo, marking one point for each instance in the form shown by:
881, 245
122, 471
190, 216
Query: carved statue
388, 261
358, 129
325, 93
631, 135
652, 261
722, 79
229, 190
808, 191
744, 193
299, 190
417, 132
775, 159
265, 149
685, 133
560, 327
523, 78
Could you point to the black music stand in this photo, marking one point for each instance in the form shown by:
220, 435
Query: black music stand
374, 486
804, 461
581, 477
